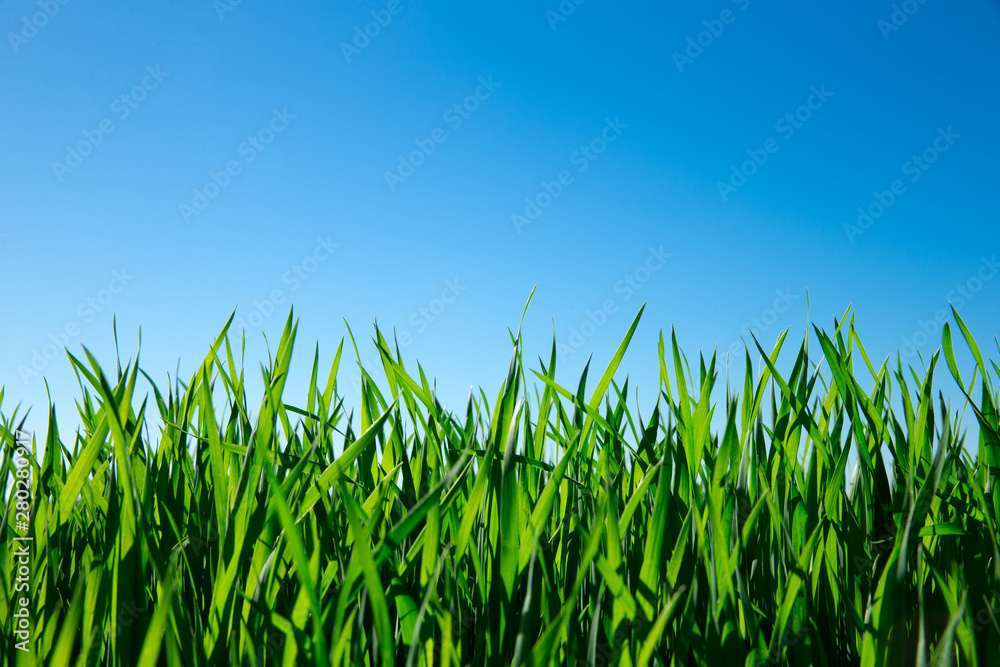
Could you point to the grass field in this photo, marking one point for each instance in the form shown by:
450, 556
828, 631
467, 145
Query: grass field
539, 525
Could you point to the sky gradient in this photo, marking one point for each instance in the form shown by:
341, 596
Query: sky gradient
426, 165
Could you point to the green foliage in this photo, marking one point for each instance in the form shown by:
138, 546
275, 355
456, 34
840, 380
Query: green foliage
551, 528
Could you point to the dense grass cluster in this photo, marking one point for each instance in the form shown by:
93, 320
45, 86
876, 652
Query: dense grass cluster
548, 526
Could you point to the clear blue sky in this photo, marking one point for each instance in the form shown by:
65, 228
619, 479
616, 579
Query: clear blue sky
709, 159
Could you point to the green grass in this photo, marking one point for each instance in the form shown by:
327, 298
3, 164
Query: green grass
543, 525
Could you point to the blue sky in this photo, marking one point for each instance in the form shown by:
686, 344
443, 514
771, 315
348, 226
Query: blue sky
162, 164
